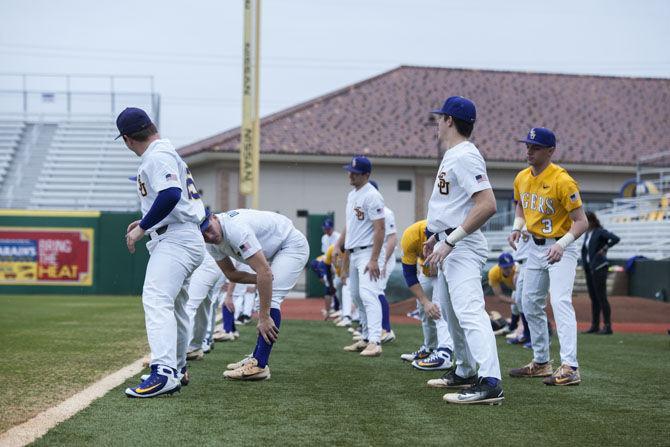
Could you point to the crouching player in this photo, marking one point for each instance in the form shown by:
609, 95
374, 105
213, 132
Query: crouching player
277, 252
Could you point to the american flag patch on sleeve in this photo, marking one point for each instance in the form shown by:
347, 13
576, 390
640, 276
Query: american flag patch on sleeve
574, 197
481, 178
245, 246
170, 177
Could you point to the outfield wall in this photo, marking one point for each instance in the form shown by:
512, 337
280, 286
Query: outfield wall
69, 252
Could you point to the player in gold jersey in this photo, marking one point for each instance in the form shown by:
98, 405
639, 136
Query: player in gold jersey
548, 203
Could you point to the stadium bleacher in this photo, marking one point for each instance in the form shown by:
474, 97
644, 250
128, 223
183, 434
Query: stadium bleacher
83, 167
10, 136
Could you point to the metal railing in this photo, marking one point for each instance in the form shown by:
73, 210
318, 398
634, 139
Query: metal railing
58, 96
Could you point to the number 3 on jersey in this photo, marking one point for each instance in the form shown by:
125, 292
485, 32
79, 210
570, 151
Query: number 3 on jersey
548, 226
192, 190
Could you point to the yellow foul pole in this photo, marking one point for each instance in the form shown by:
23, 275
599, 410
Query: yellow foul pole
250, 129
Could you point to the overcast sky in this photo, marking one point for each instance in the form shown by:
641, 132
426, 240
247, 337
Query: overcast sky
312, 47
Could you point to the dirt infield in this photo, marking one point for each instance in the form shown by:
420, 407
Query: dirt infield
629, 314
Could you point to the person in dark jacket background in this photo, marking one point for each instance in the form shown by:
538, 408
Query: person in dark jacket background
597, 241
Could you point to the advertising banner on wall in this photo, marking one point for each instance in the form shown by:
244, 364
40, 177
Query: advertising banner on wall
46, 256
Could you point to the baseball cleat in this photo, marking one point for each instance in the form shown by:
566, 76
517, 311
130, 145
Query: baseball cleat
195, 354
344, 322
183, 376
351, 330
231, 366
502, 331
162, 380
421, 353
224, 336
564, 376
388, 337
356, 347
357, 337
440, 359
517, 340
452, 380
372, 350
249, 371
532, 370
481, 393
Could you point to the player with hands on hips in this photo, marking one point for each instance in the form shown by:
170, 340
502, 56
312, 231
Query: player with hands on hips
277, 252
461, 202
363, 238
549, 205
171, 214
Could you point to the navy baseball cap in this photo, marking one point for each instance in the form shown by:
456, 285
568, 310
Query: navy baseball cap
540, 136
359, 165
132, 120
458, 107
505, 260
205, 223
328, 223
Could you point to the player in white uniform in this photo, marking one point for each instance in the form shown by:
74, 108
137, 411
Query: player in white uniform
461, 202
521, 256
363, 237
277, 252
388, 265
171, 214
205, 286
330, 236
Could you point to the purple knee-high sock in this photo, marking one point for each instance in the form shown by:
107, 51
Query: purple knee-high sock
228, 320
336, 302
386, 313
262, 351
526, 329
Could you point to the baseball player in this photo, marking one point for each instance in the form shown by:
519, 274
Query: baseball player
363, 238
205, 285
502, 279
277, 252
436, 351
324, 272
521, 256
330, 236
171, 214
461, 202
388, 265
548, 203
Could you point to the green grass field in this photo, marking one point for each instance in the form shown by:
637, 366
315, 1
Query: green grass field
321, 394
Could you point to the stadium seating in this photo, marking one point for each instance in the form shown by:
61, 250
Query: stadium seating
85, 168
10, 136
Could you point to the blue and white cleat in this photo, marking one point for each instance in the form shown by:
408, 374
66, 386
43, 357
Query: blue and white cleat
162, 380
439, 359
422, 353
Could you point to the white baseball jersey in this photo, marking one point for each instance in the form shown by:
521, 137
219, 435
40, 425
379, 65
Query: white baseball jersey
162, 168
327, 241
246, 232
389, 222
364, 206
461, 174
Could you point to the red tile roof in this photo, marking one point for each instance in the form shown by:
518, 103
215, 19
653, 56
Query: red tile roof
596, 119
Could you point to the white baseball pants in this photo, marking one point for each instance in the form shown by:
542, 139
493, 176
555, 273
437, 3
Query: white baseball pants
287, 266
366, 292
205, 282
459, 287
557, 279
435, 332
174, 257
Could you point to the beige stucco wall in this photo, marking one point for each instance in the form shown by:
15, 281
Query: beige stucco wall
319, 188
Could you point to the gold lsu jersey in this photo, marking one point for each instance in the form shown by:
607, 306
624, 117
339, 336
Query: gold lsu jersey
332, 258
496, 277
411, 244
547, 200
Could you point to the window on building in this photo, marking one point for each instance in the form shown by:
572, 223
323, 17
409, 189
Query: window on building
404, 185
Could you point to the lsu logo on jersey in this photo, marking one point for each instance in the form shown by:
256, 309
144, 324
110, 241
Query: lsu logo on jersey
442, 183
536, 202
360, 214
141, 186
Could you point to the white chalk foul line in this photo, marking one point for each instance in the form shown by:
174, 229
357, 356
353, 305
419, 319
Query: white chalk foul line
36, 427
